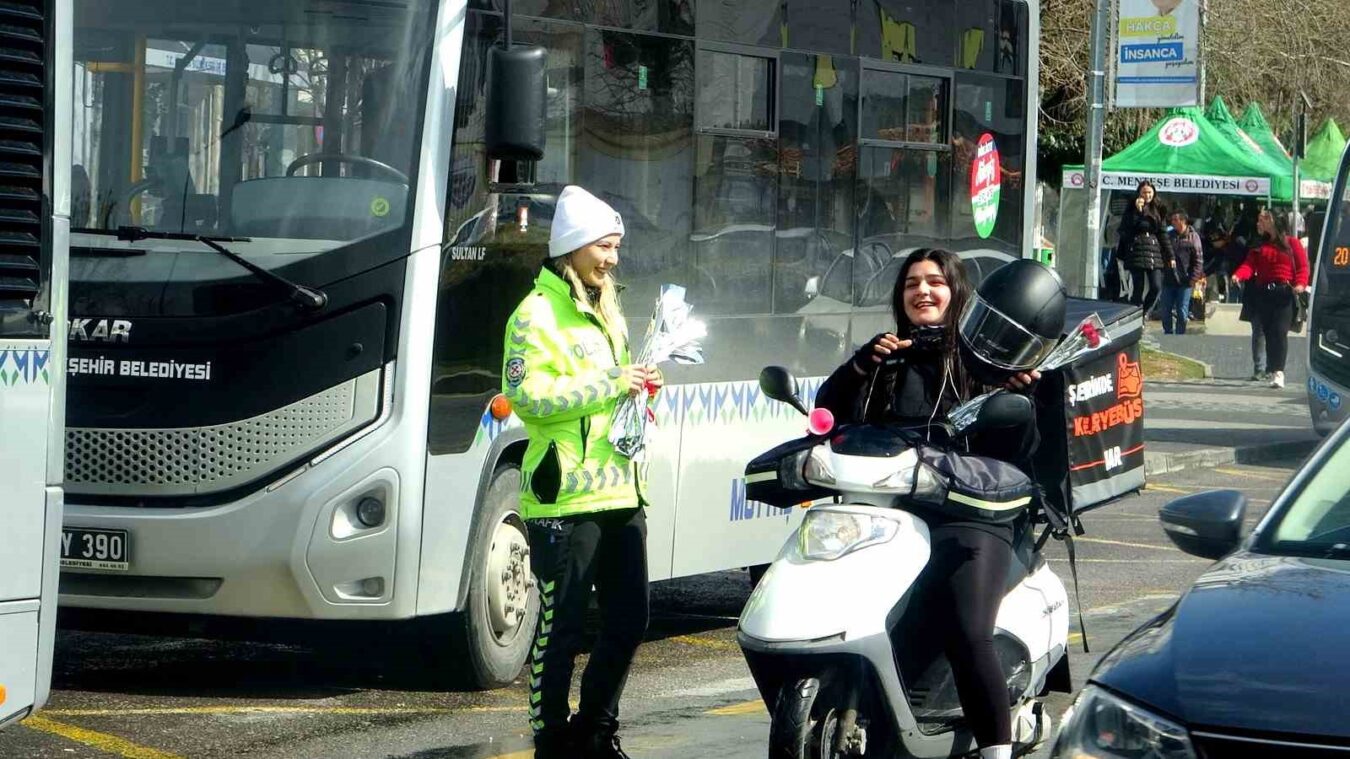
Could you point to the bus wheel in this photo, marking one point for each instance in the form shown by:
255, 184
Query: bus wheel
499, 620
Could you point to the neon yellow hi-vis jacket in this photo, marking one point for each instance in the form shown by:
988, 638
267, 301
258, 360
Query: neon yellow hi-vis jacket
561, 375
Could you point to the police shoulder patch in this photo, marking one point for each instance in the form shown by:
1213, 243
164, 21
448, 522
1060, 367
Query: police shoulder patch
515, 372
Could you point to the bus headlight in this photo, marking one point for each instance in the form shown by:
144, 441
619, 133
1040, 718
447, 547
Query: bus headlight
827, 535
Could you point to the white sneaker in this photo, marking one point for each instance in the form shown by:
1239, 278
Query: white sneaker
1277, 380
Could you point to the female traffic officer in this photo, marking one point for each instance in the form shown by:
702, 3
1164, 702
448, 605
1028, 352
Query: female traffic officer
919, 378
567, 367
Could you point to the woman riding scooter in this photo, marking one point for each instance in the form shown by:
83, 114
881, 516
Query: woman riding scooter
920, 374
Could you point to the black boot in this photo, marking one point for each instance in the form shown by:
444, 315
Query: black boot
555, 743
598, 741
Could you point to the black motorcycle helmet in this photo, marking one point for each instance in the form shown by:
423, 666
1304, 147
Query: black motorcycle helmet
1012, 322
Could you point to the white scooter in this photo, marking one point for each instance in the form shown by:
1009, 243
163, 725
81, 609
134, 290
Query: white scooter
846, 665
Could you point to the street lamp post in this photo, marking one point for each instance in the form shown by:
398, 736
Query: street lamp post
1092, 162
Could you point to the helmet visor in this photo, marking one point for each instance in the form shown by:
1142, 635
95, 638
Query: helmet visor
999, 340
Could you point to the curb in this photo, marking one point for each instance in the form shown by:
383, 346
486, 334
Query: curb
1156, 463
1208, 369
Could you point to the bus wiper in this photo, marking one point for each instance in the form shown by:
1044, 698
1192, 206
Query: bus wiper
307, 297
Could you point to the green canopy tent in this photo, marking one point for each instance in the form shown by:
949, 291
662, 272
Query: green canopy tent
1254, 123
1185, 153
1324, 153
1182, 153
1222, 118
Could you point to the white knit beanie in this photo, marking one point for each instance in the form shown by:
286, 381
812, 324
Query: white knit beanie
580, 219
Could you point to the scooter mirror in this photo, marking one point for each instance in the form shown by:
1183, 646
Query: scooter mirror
779, 384
1005, 410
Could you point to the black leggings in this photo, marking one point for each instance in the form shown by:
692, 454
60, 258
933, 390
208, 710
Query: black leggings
568, 555
1141, 277
964, 584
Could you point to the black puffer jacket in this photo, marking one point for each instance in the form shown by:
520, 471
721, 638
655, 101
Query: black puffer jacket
910, 395
1143, 239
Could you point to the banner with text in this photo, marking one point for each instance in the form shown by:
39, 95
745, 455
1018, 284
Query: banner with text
1105, 402
1157, 52
1195, 184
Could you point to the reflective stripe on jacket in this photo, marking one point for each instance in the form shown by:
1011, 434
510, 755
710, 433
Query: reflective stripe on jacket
561, 374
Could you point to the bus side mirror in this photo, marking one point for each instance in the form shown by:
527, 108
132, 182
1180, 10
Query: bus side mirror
516, 96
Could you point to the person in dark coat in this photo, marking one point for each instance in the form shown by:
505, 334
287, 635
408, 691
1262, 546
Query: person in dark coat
1181, 272
1144, 246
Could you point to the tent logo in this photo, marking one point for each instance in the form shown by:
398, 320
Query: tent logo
1179, 132
1253, 185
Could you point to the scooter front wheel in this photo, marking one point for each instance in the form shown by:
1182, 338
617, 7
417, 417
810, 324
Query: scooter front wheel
803, 726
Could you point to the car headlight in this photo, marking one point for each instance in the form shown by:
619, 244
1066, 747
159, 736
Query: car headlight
827, 535
1100, 725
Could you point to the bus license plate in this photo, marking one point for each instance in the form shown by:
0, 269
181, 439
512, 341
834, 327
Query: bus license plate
83, 548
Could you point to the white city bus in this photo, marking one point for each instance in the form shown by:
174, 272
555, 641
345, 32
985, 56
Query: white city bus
266, 451
1329, 322
34, 230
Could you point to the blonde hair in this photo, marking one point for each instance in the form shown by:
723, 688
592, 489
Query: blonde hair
606, 306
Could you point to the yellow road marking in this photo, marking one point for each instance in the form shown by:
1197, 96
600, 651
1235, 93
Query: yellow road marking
102, 741
1133, 561
718, 645
1104, 541
1075, 637
1167, 489
749, 707
516, 755
226, 710
1252, 475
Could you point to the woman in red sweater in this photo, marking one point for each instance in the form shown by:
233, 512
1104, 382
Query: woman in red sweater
1277, 268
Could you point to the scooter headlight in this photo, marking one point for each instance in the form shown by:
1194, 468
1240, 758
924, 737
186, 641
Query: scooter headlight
1100, 725
817, 468
912, 478
827, 535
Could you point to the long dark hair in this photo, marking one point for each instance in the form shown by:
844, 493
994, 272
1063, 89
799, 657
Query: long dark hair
1281, 239
954, 271
1152, 208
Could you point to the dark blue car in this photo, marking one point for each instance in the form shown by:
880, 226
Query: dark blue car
1254, 659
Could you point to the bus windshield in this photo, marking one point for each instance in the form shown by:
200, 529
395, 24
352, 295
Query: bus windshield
293, 123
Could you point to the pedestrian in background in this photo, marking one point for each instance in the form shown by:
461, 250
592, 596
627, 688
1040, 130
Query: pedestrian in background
567, 367
1183, 270
1276, 269
1144, 246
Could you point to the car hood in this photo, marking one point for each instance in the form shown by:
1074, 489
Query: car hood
1258, 643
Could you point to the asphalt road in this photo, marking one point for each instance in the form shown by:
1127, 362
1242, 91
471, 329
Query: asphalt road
139, 697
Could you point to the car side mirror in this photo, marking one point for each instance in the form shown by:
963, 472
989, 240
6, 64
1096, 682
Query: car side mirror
778, 384
517, 97
812, 287
1208, 525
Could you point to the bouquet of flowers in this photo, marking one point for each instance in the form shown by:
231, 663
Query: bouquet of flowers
1088, 336
672, 335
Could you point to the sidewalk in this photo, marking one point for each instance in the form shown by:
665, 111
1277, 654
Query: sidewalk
1226, 419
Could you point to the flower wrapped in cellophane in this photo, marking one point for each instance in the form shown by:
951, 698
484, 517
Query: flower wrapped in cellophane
672, 335
1088, 336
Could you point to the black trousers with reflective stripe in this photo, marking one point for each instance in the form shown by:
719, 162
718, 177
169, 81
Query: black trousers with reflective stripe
568, 555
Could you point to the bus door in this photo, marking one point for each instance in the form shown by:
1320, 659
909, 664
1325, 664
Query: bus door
33, 258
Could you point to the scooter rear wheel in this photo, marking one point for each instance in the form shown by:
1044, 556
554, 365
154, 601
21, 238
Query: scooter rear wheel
803, 725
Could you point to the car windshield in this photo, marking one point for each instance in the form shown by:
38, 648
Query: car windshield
290, 122
1317, 522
